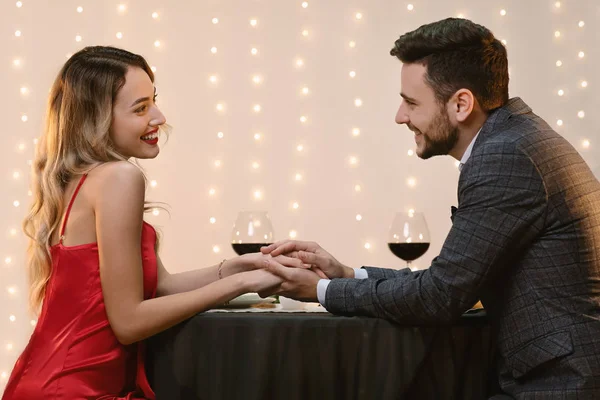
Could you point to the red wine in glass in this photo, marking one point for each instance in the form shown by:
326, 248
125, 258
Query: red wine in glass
251, 231
243, 248
408, 238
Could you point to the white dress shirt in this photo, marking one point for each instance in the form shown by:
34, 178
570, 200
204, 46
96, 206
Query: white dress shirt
361, 273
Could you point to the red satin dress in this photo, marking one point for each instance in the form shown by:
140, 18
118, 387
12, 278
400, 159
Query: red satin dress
73, 353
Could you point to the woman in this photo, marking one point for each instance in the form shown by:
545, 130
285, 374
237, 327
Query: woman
93, 268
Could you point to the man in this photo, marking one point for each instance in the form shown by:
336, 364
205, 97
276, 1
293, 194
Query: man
525, 237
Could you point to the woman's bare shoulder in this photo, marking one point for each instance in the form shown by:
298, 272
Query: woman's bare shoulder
116, 180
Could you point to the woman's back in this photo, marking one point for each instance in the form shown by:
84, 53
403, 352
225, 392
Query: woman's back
73, 352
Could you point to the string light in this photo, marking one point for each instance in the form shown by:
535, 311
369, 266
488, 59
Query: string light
211, 192
220, 135
24, 118
295, 205
257, 136
410, 7
581, 114
358, 217
557, 4
303, 119
581, 54
24, 90
560, 92
584, 84
216, 249
305, 90
581, 24
355, 131
557, 34
410, 152
305, 33
215, 21
122, 8
304, 4
254, 51
154, 15
358, 102
18, 33
153, 183
119, 35
559, 122
503, 12
352, 74
412, 182
358, 16
257, 79
12, 318
19, 4
253, 22
17, 62
217, 163
559, 63
357, 188
352, 44
585, 144
255, 165
258, 195
213, 79
257, 108
157, 43
80, 9
299, 62
293, 234
299, 148
298, 177
367, 245
212, 220
353, 160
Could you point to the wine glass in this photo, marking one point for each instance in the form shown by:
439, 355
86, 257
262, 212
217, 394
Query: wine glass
409, 236
251, 231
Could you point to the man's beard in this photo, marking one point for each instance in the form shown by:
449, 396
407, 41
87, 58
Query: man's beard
441, 138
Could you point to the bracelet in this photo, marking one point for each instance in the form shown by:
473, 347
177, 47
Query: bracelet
219, 270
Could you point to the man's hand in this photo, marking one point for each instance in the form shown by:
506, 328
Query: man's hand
310, 253
297, 283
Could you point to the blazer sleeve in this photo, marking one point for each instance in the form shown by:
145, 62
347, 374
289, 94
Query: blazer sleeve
502, 209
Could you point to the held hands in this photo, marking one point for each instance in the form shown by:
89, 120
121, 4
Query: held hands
311, 255
256, 278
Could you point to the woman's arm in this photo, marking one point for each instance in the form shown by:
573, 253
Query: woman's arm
119, 198
190, 280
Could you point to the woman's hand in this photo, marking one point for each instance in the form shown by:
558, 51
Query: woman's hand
259, 261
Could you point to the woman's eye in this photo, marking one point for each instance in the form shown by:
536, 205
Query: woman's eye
141, 109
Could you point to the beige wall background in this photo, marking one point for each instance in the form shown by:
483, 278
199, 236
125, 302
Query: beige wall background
238, 116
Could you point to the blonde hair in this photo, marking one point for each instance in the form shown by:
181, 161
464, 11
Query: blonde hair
75, 140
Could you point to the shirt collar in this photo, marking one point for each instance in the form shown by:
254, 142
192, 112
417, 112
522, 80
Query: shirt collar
468, 151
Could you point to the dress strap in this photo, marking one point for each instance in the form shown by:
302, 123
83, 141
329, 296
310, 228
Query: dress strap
62, 229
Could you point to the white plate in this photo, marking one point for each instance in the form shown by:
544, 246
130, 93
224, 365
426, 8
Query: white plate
247, 300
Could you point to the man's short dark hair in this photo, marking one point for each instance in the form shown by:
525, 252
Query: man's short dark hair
458, 54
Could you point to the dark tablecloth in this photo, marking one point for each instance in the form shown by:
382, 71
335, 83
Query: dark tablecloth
296, 356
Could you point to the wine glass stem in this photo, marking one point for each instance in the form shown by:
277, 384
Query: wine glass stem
408, 265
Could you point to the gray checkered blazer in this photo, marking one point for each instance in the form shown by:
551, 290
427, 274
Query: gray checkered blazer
525, 239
